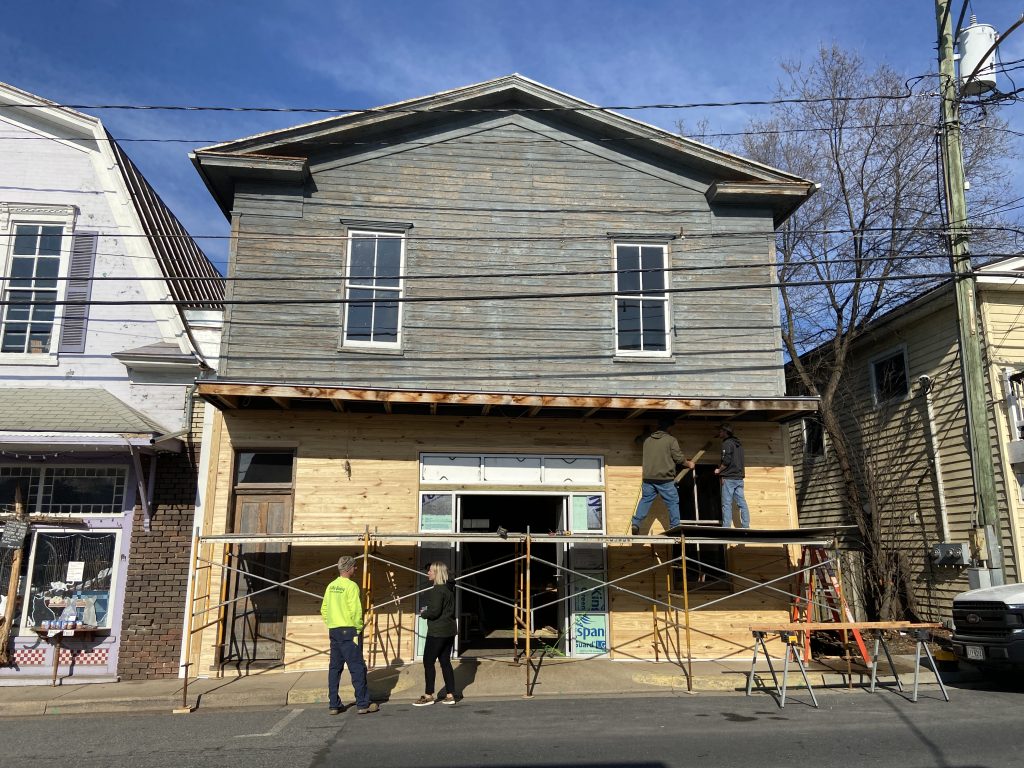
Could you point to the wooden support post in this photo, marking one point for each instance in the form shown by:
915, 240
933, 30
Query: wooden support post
6, 632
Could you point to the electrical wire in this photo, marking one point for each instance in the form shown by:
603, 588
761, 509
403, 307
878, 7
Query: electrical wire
648, 294
468, 110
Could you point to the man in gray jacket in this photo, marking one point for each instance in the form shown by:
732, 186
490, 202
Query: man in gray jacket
661, 457
731, 470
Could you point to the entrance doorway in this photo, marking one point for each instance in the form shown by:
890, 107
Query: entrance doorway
486, 605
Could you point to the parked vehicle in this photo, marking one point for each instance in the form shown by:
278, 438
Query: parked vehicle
989, 626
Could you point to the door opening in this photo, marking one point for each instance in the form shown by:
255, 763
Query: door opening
487, 616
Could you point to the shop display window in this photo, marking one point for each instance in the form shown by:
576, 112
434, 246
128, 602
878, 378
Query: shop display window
72, 570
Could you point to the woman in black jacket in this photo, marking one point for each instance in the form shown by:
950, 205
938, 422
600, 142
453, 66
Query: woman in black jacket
440, 615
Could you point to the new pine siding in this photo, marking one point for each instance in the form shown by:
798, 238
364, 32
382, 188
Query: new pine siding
502, 198
358, 470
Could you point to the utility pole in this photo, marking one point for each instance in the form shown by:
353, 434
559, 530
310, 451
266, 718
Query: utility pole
986, 539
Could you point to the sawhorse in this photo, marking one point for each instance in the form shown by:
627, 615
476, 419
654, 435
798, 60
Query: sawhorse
789, 633
790, 639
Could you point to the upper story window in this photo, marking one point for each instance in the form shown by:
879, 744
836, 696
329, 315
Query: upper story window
814, 437
43, 261
373, 288
641, 314
889, 379
30, 289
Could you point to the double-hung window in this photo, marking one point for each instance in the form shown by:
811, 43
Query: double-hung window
30, 289
889, 378
373, 289
641, 302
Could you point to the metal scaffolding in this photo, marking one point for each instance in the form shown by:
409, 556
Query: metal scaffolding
205, 611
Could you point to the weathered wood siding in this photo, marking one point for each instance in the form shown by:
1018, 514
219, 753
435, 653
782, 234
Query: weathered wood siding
891, 442
495, 196
355, 471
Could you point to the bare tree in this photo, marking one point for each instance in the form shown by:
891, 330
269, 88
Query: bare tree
864, 240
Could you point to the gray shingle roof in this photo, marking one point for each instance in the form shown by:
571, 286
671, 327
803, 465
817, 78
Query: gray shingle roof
37, 409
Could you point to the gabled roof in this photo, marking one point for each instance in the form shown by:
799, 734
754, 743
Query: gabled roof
739, 179
191, 277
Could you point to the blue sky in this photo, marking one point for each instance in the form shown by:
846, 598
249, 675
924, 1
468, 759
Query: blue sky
338, 53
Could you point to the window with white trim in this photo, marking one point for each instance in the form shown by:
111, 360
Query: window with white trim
373, 288
889, 378
30, 290
64, 490
641, 303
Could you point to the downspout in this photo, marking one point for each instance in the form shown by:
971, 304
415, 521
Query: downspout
933, 450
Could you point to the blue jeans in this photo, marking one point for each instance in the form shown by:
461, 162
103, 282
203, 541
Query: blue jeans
732, 488
345, 650
669, 494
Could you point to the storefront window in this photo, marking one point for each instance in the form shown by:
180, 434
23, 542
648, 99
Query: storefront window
12, 478
83, 490
76, 569
56, 490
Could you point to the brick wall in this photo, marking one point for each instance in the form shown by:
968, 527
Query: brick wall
158, 562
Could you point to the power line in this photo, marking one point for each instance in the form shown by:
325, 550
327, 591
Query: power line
931, 276
585, 238
513, 142
471, 110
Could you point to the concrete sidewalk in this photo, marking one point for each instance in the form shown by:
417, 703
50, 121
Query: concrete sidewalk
477, 680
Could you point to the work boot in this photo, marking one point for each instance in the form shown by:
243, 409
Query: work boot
371, 707
635, 530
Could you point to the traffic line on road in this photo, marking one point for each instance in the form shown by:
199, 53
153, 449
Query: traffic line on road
277, 728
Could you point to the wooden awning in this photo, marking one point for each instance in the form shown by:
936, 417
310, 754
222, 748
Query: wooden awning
236, 395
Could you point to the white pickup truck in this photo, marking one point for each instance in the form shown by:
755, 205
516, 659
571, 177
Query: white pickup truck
989, 626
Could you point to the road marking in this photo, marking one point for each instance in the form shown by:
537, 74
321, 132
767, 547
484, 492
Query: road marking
277, 728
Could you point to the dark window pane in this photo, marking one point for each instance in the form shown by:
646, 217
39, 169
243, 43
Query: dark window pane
361, 268
385, 322
629, 324
25, 241
14, 338
49, 243
22, 267
20, 308
628, 262
814, 437
47, 267
44, 310
389, 261
264, 467
12, 478
653, 264
359, 318
654, 326
890, 378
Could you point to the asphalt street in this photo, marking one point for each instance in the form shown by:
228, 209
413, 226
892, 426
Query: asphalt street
980, 728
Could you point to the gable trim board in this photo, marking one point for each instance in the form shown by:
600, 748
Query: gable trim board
280, 151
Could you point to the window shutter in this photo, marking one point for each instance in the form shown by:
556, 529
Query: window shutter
76, 316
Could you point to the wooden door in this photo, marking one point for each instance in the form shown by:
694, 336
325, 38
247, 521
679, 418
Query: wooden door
256, 621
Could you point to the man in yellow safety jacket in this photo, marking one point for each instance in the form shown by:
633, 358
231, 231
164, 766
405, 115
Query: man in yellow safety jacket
342, 609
